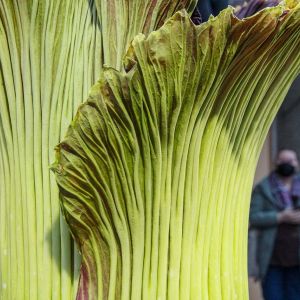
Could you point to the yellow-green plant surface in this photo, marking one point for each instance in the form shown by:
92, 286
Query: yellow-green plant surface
155, 172
51, 53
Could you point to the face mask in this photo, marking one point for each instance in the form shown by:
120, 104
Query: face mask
285, 169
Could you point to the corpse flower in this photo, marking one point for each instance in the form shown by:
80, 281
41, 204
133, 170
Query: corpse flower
51, 53
156, 169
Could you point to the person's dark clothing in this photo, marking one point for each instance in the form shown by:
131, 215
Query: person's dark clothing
266, 202
286, 246
282, 283
210, 7
196, 17
287, 234
249, 8
286, 198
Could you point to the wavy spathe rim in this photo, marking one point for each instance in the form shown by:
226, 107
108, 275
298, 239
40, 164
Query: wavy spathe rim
164, 148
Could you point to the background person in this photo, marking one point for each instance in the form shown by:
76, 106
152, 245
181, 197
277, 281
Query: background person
275, 214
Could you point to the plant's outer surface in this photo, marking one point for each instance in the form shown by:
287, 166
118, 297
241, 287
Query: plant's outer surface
156, 170
51, 53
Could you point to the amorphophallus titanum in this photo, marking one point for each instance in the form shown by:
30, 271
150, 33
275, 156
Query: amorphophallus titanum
155, 171
51, 53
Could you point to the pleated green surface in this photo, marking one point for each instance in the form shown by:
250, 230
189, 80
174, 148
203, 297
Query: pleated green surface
51, 53
156, 169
